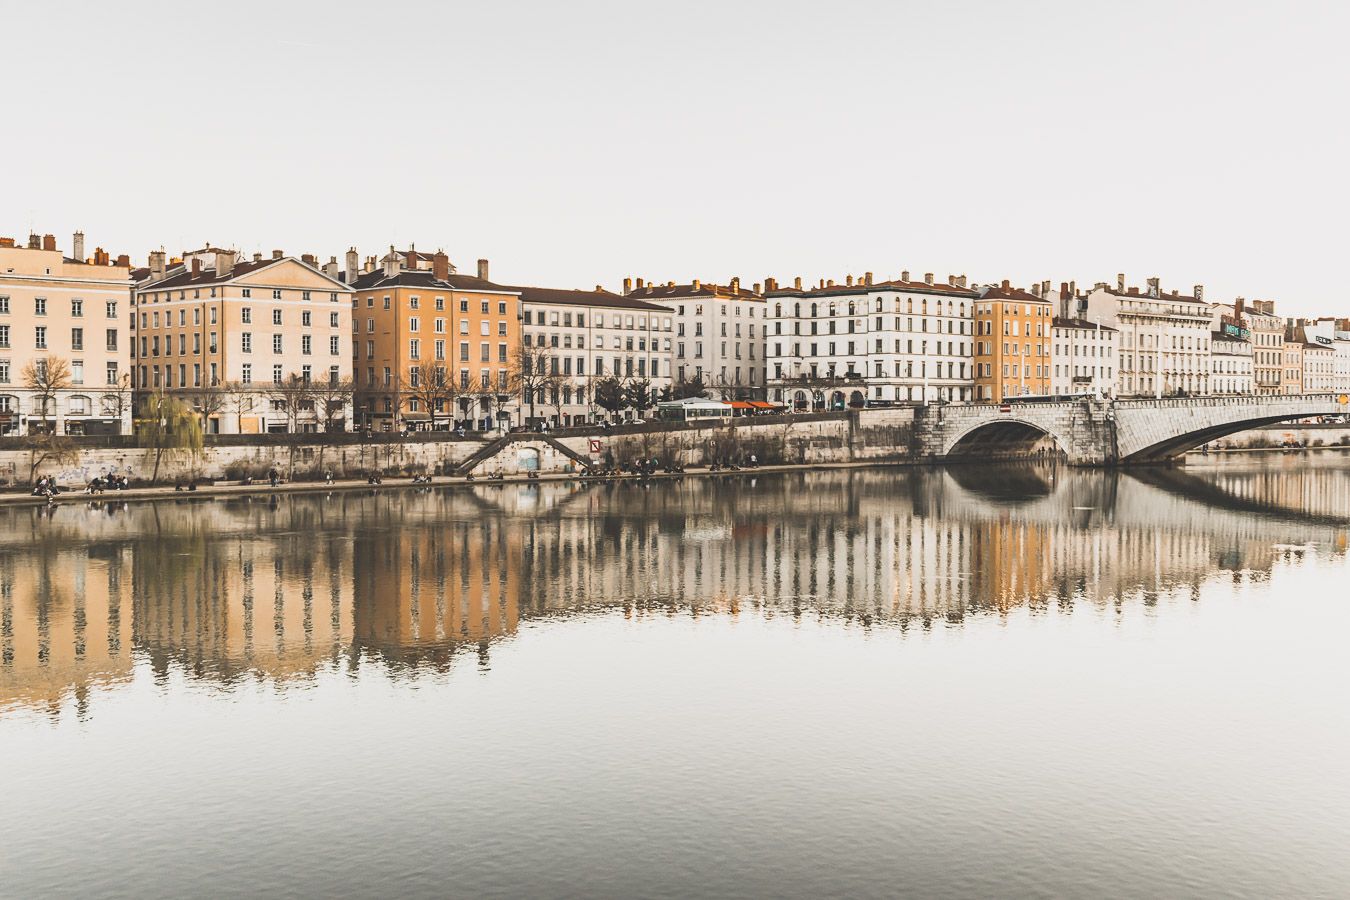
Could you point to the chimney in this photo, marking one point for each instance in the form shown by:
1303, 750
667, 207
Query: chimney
1036, 290
224, 262
156, 265
736, 285
100, 256
6, 242
599, 288
867, 278
440, 266
353, 261
49, 242
770, 284
755, 287
196, 266
961, 282
124, 261
1045, 287
1073, 288
368, 265
277, 254
332, 269
410, 260
639, 284
627, 286
1064, 289
391, 263
928, 278
1154, 288
1199, 292
951, 280
697, 284
848, 280
308, 259
904, 276
1006, 285
483, 269
830, 283
77, 246
797, 283
34, 242
1120, 283
257, 257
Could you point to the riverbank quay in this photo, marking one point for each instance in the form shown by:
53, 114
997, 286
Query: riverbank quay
161, 493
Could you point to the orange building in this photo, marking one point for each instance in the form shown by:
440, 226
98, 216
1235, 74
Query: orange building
415, 318
1012, 344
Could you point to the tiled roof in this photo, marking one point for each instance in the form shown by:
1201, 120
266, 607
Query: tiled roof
180, 276
1003, 292
663, 292
563, 297
838, 290
1061, 322
423, 278
1175, 296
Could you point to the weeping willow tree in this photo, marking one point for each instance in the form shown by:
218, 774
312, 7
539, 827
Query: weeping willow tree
169, 427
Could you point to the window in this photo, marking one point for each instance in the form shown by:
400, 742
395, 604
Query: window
415, 349
4, 306
276, 317
305, 318
276, 294
333, 320
246, 293
276, 343
413, 324
246, 373
305, 343
334, 345
77, 308
39, 337
276, 374
246, 342
4, 336
77, 371
40, 306
4, 371
77, 338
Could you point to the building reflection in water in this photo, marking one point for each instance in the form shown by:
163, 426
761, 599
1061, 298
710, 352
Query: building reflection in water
280, 590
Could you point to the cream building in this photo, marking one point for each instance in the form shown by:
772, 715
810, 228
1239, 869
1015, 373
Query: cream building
1231, 368
719, 334
866, 342
581, 337
1082, 357
224, 334
1164, 338
71, 309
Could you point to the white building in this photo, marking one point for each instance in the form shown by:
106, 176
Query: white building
1164, 338
1083, 357
1231, 364
868, 342
586, 336
1334, 333
719, 334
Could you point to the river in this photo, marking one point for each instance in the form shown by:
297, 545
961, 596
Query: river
1013, 681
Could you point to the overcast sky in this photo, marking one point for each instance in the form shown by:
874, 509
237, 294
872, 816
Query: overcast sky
575, 143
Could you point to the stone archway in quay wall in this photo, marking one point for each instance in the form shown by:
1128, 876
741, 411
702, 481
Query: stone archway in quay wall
1089, 432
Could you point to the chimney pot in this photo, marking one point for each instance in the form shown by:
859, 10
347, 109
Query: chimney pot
797, 283
904, 276
736, 285
627, 286
440, 266
697, 285
755, 287
867, 278
49, 242
848, 280
927, 277
277, 254
34, 242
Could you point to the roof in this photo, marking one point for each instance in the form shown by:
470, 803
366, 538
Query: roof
1061, 322
564, 297
181, 276
679, 291
914, 287
1006, 292
1225, 336
424, 278
1162, 295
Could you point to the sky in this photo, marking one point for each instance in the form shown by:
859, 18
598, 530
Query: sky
574, 144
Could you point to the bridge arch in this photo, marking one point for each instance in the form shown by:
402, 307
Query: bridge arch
1160, 430
1006, 436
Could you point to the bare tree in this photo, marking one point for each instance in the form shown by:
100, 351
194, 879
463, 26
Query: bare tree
531, 376
559, 394
432, 387
207, 400
331, 398
116, 398
45, 378
293, 396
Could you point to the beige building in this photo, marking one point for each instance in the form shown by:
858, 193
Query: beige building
57, 309
225, 334
1164, 337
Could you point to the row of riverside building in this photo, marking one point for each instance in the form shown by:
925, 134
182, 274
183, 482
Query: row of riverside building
276, 343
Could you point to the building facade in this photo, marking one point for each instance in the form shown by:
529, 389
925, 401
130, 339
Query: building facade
1164, 338
1231, 364
64, 343
719, 336
870, 343
1012, 344
432, 348
255, 346
1267, 337
575, 339
1082, 358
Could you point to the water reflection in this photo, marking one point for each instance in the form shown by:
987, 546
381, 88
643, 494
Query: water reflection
229, 592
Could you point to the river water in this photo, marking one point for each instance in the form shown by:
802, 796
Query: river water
940, 683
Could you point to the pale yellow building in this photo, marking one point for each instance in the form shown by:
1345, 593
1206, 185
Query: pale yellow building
224, 334
70, 309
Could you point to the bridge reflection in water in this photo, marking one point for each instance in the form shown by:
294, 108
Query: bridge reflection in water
232, 592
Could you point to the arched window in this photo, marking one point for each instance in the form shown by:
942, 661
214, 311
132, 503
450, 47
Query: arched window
778, 310
963, 308
79, 405
814, 310
832, 309
851, 309
797, 310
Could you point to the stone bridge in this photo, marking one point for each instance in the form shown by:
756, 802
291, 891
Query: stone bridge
1092, 432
